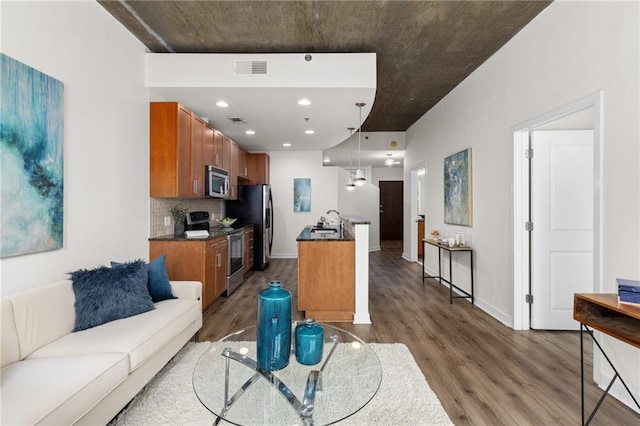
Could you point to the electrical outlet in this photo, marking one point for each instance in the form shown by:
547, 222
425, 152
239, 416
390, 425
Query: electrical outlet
167, 220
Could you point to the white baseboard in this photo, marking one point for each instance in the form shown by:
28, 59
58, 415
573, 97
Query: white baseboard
480, 303
617, 390
284, 255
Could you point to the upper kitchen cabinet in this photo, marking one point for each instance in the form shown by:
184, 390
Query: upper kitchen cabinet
230, 164
209, 145
218, 142
176, 151
243, 163
258, 169
198, 131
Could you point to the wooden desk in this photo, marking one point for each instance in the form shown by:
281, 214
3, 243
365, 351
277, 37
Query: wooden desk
604, 313
440, 278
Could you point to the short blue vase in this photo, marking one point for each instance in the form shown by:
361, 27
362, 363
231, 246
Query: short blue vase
274, 327
309, 342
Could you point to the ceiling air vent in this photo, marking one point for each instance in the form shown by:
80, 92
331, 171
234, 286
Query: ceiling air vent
238, 120
247, 67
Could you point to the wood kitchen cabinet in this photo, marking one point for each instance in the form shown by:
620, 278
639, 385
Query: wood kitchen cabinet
198, 130
248, 248
209, 146
326, 280
230, 160
204, 261
218, 142
258, 165
176, 149
243, 163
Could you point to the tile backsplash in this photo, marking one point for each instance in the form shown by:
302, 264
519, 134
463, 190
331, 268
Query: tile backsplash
160, 208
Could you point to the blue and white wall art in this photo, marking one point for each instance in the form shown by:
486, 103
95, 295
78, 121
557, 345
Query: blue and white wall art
301, 194
31, 155
457, 189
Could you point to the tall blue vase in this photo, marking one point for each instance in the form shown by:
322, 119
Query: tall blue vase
274, 327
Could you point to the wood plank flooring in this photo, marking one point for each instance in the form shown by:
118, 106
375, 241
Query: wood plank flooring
483, 372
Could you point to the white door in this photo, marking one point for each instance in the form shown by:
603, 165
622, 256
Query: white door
562, 216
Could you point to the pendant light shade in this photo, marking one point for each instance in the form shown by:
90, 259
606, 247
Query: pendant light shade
359, 178
350, 185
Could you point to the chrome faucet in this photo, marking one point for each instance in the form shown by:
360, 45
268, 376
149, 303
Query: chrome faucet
340, 224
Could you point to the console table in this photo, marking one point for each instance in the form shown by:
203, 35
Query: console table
604, 313
451, 250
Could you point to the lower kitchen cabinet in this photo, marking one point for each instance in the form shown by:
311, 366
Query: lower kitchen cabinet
204, 261
326, 280
248, 248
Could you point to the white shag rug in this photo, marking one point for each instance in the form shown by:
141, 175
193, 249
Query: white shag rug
404, 397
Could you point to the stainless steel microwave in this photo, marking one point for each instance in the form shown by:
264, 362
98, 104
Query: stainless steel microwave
216, 182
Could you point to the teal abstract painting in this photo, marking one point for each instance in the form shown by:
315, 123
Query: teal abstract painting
457, 189
301, 194
31, 155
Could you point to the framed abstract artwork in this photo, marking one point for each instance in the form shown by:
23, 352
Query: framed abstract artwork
458, 208
31, 152
301, 194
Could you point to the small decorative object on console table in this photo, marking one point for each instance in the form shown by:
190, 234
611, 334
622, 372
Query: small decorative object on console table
274, 327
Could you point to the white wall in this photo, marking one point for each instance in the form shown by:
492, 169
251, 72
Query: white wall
285, 166
571, 50
364, 201
386, 173
106, 160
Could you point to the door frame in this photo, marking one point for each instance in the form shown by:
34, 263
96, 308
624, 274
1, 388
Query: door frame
413, 224
521, 183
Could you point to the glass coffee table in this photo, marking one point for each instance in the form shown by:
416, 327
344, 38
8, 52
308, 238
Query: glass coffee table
228, 383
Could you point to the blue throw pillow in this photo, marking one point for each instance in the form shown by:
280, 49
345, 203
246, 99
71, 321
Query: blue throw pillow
158, 285
107, 294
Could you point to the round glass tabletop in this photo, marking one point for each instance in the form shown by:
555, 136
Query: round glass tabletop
227, 382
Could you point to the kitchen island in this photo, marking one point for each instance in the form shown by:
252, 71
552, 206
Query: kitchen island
326, 274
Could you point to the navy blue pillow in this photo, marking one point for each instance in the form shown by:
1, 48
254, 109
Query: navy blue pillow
107, 294
158, 285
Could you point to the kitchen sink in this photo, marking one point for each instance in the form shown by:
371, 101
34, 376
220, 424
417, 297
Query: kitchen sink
324, 230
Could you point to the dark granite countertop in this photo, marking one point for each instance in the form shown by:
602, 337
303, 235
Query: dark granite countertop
215, 232
307, 235
356, 220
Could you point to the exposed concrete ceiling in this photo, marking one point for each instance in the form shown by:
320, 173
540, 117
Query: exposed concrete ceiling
424, 48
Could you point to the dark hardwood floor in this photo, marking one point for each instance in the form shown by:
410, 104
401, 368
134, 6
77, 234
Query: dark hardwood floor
483, 372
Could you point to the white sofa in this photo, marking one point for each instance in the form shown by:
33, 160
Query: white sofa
51, 375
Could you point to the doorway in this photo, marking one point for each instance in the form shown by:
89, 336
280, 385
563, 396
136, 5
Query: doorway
524, 180
391, 209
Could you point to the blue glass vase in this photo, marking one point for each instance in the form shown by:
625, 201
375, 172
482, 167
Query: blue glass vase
309, 342
274, 327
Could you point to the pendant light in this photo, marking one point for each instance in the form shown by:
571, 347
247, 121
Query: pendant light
359, 179
389, 161
350, 185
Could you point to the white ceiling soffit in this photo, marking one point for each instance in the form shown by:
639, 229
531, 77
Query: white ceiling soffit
375, 148
264, 90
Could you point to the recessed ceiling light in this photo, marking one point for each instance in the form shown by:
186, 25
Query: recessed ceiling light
287, 144
327, 159
304, 102
250, 132
222, 104
309, 132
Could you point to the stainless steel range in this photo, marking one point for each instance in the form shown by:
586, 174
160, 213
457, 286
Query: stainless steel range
235, 267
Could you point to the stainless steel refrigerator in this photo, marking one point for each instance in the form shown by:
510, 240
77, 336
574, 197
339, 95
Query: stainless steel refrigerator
255, 206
